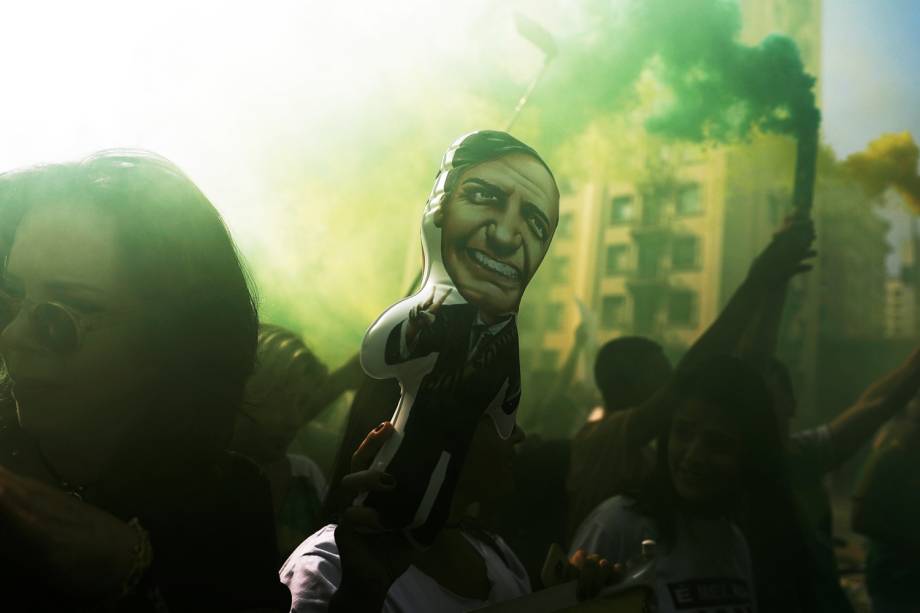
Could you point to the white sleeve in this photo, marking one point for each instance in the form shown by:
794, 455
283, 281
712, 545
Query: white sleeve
313, 572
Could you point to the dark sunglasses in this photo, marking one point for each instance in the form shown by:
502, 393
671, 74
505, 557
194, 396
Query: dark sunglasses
55, 326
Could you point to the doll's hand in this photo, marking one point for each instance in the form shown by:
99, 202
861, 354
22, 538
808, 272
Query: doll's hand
422, 314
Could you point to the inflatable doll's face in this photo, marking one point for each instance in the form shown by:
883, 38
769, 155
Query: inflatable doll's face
495, 230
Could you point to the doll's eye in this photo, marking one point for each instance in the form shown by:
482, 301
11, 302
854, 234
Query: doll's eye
539, 228
478, 195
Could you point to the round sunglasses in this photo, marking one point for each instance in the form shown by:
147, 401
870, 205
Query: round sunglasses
56, 326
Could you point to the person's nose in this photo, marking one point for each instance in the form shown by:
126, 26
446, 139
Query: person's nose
505, 232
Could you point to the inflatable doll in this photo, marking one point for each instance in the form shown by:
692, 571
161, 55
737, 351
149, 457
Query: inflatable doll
453, 345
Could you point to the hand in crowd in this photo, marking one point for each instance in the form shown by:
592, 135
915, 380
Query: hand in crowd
422, 315
787, 254
368, 552
593, 573
71, 545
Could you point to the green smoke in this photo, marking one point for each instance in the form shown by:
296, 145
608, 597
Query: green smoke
340, 221
719, 89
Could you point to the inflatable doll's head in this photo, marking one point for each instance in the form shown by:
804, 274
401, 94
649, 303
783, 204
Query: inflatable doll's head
489, 220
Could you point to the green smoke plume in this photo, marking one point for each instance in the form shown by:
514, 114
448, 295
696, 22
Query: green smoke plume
719, 89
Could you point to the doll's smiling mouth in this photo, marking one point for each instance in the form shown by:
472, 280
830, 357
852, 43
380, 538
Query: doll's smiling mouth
492, 265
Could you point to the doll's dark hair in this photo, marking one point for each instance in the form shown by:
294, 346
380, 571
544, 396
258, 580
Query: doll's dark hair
484, 146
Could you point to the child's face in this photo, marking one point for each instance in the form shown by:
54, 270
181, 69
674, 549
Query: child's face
704, 453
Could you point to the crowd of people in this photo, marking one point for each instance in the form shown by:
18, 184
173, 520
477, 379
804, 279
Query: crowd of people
147, 414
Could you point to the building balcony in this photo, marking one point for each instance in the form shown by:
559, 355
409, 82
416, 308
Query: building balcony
656, 279
652, 223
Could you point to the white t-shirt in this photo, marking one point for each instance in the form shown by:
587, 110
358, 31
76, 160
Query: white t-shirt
708, 569
313, 573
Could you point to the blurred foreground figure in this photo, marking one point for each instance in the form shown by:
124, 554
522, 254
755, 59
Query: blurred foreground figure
128, 334
886, 509
814, 453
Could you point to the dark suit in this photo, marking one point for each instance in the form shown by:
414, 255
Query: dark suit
450, 400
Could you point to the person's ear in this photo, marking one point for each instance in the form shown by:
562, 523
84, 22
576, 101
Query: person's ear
438, 217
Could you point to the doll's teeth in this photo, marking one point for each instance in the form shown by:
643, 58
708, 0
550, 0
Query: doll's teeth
496, 266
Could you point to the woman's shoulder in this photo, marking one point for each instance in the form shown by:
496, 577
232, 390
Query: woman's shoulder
320, 543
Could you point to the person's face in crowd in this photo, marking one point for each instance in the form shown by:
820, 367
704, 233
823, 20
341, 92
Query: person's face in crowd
86, 395
496, 227
488, 472
271, 417
704, 453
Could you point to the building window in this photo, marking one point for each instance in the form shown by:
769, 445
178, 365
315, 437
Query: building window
688, 200
559, 269
554, 313
613, 311
622, 210
685, 253
616, 260
682, 308
564, 229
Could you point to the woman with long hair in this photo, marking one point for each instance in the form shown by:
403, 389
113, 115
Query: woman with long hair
129, 331
717, 501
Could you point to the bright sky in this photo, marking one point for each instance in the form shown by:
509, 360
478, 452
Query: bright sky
871, 56
872, 59
208, 82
